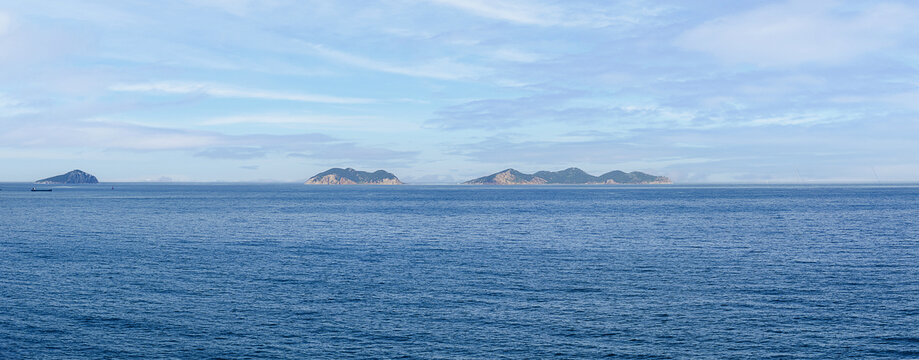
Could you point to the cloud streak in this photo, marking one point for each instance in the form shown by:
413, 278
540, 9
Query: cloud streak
5, 22
542, 14
441, 69
206, 144
10, 107
801, 32
309, 119
227, 91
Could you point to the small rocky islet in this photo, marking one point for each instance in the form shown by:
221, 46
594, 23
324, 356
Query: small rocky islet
73, 177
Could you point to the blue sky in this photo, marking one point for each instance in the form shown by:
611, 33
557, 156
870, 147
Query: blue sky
447, 90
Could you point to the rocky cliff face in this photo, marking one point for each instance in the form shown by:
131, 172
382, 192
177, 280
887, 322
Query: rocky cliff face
570, 176
508, 177
349, 176
330, 179
73, 177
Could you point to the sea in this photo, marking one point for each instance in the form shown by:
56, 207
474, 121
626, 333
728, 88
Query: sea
286, 271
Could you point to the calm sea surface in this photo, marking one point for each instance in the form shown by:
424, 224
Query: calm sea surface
292, 271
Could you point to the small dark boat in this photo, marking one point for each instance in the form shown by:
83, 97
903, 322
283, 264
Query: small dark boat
34, 189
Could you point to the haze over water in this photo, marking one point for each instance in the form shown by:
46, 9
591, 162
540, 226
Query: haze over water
289, 271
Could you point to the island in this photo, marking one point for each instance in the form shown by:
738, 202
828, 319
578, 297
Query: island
73, 177
569, 176
349, 176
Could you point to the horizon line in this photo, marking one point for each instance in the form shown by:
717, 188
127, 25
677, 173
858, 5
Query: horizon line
281, 182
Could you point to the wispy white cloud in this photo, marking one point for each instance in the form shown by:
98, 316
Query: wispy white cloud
573, 108
240, 8
235, 7
95, 134
511, 11
225, 91
233, 152
407, 33
908, 100
177, 55
514, 55
576, 111
795, 119
11, 107
109, 135
5, 23
6, 101
289, 119
801, 31
92, 13
545, 14
442, 68
25, 48
600, 154
351, 123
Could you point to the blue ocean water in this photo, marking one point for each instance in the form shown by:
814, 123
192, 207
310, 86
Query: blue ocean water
293, 271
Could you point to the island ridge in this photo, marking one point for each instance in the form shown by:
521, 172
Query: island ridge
569, 176
349, 176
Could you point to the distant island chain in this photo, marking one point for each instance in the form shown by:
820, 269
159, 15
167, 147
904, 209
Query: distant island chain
349, 176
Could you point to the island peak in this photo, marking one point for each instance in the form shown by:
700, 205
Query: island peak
508, 177
73, 177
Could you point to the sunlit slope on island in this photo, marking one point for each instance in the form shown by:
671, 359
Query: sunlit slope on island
349, 176
569, 176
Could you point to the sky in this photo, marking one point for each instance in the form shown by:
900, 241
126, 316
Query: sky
442, 91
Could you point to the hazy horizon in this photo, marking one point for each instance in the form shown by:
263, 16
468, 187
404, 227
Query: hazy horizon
444, 91
803, 182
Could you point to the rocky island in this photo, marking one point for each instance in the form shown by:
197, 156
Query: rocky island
569, 176
349, 176
73, 177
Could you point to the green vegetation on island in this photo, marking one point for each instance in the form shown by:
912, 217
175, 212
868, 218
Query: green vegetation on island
569, 176
349, 176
